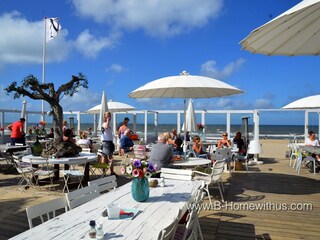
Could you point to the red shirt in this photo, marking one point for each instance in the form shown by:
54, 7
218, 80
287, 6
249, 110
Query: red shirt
15, 129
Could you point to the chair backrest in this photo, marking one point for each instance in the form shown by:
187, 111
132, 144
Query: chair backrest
217, 170
139, 151
180, 174
47, 209
82, 195
105, 183
78, 160
168, 232
223, 154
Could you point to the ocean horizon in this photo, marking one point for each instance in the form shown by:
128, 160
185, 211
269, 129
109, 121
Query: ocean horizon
266, 131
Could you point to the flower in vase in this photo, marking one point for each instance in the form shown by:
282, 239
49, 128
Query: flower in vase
139, 169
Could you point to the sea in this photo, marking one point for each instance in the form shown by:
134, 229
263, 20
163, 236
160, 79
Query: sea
215, 130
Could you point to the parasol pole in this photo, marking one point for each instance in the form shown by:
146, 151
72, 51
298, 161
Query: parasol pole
184, 129
44, 65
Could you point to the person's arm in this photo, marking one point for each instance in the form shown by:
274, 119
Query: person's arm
10, 127
219, 144
229, 143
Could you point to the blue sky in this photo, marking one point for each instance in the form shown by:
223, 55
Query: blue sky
121, 45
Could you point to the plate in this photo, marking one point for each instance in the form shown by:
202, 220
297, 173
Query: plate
133, 210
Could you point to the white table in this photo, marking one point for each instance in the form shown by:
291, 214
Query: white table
91, 157
155, 214
192, 162
11, 148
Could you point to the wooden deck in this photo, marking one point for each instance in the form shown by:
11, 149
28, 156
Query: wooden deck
273, 185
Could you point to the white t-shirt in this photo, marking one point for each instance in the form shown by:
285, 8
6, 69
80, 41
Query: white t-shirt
107, 133
314, 143
84, 141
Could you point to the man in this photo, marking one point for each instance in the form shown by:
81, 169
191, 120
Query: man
107, 142
161, 154
126, 143
120, 130
17, 132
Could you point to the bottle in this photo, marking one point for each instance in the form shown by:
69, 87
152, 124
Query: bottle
92, 231
99, 234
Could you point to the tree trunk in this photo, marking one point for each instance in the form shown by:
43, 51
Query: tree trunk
57, 122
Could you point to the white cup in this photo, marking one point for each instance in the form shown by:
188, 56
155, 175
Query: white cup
113, 211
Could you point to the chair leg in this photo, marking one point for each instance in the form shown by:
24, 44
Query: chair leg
206, 188
65, 178
221, 193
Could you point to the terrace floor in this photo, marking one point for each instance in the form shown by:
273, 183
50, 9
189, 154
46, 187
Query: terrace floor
258, 204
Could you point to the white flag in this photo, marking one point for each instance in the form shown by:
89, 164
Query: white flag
52, 28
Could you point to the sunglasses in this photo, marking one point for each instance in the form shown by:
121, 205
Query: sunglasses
224, 135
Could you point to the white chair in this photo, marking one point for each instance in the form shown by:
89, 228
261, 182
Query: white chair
43, 171
223, 154
105, 183
67, 174
7, 159
47, 209
301, 160
81, 196
214, 177
293, 153
188, 231
26, 172
241, 158
180, 174
168, 233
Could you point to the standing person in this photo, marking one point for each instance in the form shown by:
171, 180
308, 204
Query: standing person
122, 128
107, 142
17, 132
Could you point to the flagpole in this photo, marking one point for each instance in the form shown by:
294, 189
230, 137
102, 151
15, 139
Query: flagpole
44, 63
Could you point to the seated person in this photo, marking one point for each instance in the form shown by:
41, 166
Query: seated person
238, 141
168, 139
224, 142
68, 136
161, 154
125, 142
311, 140
197, 146
174, 134
51, 134
30, 135
177, 149
85, 141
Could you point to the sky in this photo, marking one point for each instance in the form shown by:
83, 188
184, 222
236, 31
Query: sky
124, 44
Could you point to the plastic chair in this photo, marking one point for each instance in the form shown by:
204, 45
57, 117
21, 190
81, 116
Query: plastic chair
180, 174
81, 196
214, 177
105, 183
67, 174
168, 233
48, 209
43, 171
26, 172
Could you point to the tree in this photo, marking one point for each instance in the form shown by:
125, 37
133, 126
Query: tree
31, 88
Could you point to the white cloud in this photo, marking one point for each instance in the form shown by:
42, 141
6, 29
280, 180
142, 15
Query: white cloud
21, 41
162, 18
210, 69
263, 103
81, 101
90, 46
116, 68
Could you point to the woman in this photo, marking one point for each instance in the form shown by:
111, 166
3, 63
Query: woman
224, 142
197, 146
238, 141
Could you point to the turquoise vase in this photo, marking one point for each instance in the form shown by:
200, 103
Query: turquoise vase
140, 189
36, 147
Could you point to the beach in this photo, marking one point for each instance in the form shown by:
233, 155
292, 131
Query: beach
267, 180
